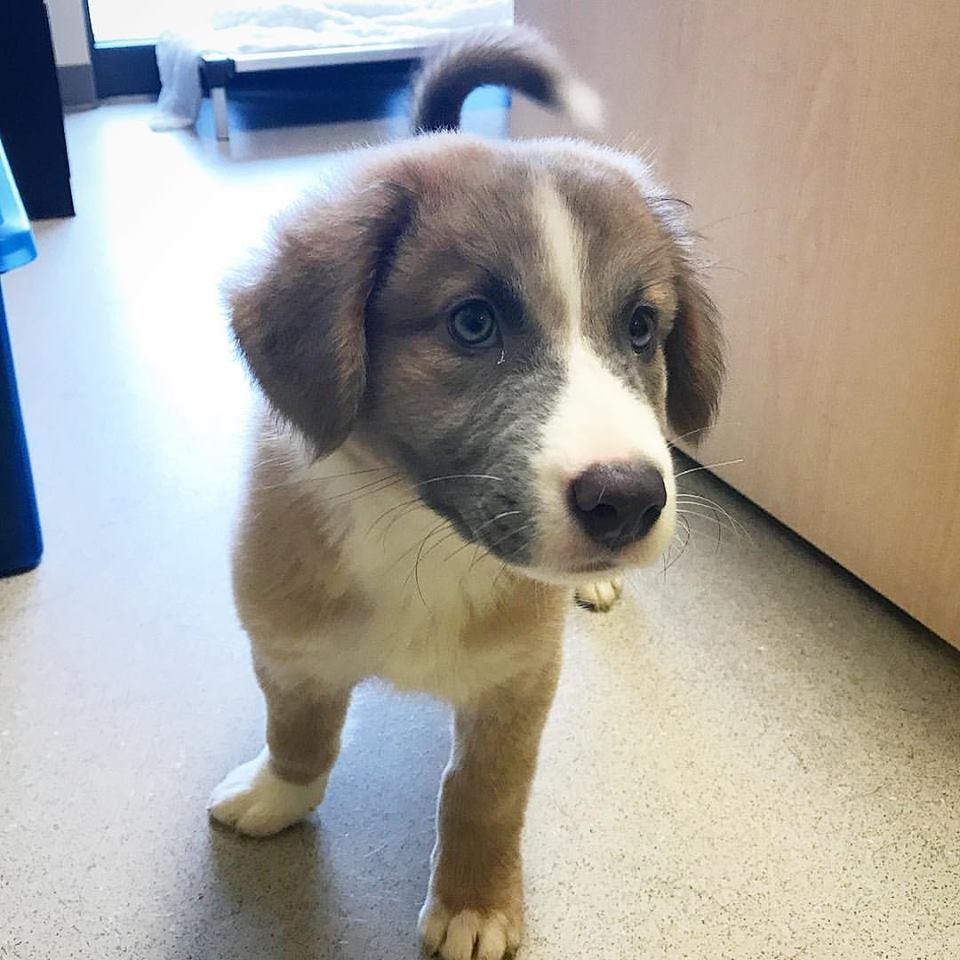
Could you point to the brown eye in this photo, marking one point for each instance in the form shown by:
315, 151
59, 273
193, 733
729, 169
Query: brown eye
474, 324
643, 326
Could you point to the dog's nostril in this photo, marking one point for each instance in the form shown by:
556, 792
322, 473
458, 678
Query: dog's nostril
618, 503
604, 513
649, 517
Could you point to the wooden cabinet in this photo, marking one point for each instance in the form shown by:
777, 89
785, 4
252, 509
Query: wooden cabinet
819, 144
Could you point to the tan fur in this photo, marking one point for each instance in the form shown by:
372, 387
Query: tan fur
290, 584
390, 447
476, 861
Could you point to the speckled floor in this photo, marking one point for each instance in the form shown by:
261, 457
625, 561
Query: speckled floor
753, 757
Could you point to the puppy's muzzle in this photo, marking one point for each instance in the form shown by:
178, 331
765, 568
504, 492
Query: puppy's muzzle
617, 504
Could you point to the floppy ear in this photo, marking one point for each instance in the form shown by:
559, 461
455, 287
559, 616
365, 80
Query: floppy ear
694, 353
299, 320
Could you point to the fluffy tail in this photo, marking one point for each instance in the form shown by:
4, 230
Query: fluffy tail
519, 59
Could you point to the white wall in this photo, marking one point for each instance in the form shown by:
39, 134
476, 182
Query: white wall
69, 31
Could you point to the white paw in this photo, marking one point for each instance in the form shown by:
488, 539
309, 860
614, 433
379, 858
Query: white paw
254, 800
467, 934
600, 596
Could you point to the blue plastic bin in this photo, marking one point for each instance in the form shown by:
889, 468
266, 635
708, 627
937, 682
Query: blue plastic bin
20, 541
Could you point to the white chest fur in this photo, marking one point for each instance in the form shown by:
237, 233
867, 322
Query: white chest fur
422, 583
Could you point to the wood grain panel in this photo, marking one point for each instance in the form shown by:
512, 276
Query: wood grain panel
820, 146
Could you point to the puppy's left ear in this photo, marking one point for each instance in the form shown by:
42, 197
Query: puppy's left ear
694, 354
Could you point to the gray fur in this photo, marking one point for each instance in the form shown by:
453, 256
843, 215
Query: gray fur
345, 324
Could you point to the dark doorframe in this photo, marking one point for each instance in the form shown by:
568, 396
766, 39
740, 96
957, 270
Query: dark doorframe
31, 114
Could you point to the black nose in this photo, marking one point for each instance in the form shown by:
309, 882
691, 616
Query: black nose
618, 503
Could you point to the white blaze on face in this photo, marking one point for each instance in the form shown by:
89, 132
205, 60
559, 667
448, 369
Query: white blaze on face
598, 418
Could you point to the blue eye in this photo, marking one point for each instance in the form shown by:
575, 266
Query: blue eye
643, 328
474, 324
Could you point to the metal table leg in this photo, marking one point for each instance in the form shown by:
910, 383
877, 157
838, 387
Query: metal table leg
221, 119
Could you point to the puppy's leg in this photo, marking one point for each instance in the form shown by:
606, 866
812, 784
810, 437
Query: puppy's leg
601, 595
474, 905
289, 777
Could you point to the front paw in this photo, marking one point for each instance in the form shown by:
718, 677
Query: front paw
253, 800
600, 596
468, 934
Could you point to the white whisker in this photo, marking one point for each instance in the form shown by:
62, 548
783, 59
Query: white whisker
683, 497
708, 466
476, 533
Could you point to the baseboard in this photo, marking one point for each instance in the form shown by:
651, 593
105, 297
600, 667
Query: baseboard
77, 87
125, 67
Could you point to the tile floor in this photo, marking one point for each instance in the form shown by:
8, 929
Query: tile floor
753, 757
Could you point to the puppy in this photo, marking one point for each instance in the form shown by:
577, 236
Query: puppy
472, 354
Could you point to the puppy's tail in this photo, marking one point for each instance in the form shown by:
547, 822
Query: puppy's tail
518, 58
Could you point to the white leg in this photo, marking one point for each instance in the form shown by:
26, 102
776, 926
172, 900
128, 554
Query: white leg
288, 779
254, 800
218, 97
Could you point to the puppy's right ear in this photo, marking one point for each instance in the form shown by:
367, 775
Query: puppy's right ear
299, 320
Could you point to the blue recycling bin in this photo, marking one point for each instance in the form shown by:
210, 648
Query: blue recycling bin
20, 541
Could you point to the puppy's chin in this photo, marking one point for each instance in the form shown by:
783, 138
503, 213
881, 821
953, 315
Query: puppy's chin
573, 560
571, 577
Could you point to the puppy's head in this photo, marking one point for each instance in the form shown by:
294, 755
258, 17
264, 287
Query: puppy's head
517, 328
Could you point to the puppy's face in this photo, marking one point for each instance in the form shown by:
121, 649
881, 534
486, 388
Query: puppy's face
524, 328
